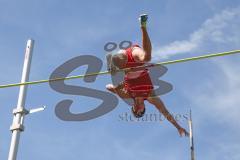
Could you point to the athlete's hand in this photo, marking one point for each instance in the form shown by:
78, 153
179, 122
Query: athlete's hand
182, 132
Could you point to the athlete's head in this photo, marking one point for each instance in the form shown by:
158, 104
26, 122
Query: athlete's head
138, 110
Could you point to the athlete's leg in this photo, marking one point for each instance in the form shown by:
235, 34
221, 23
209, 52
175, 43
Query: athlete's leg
146, 43
119, 90
156, 101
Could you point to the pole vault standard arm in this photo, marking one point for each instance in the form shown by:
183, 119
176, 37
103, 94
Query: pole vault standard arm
37, 109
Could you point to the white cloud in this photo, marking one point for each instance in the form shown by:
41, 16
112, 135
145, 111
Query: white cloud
219, 32
217, 97
223, 93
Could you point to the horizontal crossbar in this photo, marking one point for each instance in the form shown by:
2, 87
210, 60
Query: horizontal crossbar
107, 72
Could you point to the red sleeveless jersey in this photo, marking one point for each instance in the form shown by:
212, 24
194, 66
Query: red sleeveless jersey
137, 83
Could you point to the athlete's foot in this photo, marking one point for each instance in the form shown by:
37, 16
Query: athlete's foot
182, 132
109, 61
111, 88
110, 66
143, 20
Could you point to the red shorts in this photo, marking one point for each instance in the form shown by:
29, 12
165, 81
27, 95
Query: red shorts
138, 84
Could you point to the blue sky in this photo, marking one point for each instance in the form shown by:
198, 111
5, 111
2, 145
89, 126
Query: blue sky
63, 30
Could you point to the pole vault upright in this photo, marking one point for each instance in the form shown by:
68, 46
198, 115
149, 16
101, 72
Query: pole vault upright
19, 113
191, 136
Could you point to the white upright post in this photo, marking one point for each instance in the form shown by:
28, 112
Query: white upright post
19, 113
191, 136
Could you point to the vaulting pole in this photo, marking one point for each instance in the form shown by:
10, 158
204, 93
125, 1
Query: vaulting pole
19, 113
191, 136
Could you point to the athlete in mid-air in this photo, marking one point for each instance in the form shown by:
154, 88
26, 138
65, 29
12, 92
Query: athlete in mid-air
137, 84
